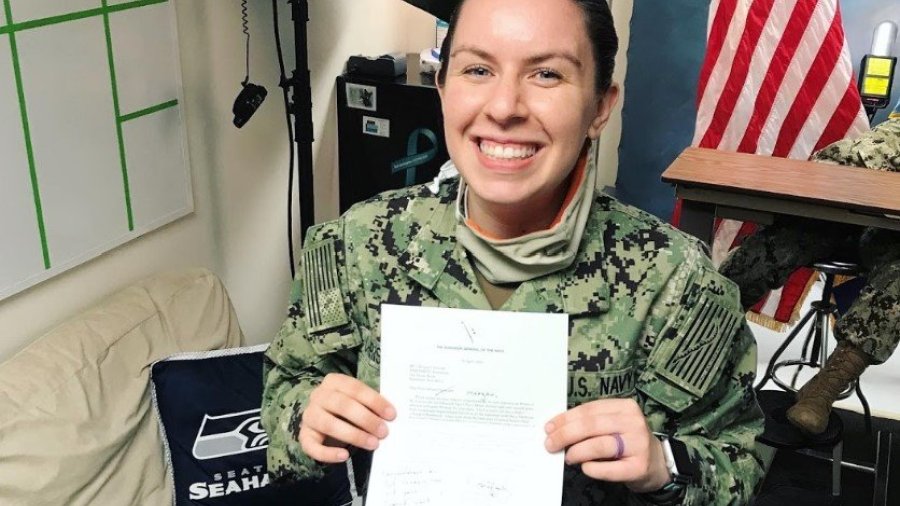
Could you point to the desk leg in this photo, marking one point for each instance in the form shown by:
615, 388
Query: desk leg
886, 490
697, 219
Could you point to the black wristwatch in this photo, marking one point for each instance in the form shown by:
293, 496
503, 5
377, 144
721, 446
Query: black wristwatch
683, 469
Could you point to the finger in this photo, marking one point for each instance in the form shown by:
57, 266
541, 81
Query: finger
311, 441
362, 393
594, 408
595, 448
625, 470
329, 425
348, 408
583, 428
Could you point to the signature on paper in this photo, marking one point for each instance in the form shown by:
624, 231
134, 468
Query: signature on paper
411, 486
492, 489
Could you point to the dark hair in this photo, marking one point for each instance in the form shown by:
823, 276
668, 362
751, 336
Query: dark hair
601, 30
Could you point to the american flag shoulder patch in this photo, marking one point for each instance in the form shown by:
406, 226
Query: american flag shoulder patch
702, 344
323, 297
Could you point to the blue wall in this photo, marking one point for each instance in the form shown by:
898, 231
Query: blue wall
668, 42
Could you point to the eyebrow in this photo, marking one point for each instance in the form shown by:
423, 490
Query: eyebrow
532, 60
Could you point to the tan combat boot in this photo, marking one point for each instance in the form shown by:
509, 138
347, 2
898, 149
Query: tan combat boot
814, 400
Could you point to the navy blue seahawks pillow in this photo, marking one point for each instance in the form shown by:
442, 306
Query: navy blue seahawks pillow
208, 406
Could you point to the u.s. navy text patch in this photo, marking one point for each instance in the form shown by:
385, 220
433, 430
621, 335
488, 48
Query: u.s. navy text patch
585, 386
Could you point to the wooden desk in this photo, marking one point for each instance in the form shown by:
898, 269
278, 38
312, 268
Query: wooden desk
756, 188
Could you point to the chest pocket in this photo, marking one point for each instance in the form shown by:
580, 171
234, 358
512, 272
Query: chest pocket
602, 361
691, 354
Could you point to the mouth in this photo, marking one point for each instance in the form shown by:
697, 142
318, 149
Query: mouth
507, 151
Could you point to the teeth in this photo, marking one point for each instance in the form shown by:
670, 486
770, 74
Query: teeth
507, 152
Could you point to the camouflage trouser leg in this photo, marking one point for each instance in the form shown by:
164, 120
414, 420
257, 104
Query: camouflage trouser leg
766, 259
873, 321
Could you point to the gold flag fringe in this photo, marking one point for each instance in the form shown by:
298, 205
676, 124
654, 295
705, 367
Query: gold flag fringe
840, 279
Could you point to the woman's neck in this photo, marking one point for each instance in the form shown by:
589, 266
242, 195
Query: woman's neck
543, 212
507, 221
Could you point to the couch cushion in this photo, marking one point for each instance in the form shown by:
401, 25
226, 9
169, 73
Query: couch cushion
76, 424
209, 406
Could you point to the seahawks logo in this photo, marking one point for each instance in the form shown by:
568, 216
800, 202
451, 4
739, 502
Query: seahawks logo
231, 434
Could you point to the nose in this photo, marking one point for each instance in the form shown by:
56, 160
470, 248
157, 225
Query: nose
506, 104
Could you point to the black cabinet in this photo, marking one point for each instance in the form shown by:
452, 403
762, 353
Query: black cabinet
390, 133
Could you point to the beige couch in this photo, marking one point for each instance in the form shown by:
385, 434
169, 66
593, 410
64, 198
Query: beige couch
76, 421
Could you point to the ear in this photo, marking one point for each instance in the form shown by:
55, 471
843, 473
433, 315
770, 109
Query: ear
604, 109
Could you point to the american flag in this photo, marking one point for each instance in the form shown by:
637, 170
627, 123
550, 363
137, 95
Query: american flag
777, 80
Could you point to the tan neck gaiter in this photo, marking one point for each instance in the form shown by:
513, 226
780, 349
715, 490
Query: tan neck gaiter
538, 253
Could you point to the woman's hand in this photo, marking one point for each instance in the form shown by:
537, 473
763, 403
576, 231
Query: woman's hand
343, 411
588, 431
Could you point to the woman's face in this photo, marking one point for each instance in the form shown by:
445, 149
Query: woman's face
520, 100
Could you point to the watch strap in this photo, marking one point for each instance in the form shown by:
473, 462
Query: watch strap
682, 470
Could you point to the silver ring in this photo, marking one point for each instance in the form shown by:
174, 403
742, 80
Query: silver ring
620, 446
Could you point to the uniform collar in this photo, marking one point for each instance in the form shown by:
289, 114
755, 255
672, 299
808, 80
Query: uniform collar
435, 260
430, 250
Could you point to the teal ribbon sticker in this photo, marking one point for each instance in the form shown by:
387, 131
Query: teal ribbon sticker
413, 157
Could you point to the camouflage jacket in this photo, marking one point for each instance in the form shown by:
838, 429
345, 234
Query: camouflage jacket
650, 319
878, 149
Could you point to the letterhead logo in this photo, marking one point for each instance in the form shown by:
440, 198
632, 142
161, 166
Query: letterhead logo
231, 434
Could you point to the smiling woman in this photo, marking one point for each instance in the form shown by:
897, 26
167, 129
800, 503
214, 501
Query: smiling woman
657, 340
504, 81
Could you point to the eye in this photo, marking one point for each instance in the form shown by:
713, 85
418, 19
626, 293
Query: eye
477, 71
548, 75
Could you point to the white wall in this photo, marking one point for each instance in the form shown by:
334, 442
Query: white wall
239, 176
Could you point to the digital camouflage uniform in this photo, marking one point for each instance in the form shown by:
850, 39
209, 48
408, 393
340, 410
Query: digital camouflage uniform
766, 259
650, 319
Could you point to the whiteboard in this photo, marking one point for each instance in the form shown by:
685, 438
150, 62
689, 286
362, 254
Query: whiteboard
92, 144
